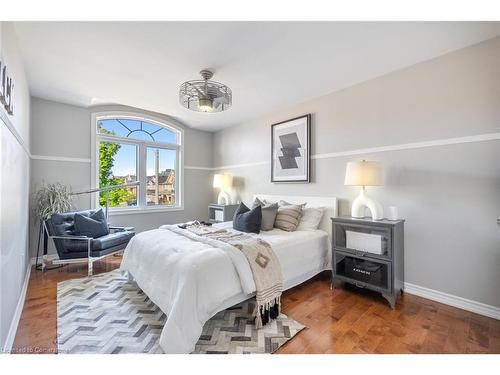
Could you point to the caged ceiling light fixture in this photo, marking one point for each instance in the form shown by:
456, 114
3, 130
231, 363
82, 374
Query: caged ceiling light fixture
205, 95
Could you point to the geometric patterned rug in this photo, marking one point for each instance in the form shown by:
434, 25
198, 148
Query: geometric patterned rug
107, 314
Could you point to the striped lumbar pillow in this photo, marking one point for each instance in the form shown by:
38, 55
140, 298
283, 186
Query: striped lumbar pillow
288, 216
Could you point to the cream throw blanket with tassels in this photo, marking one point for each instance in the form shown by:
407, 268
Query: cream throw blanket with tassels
264, 264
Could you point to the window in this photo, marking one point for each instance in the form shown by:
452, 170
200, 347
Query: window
117, 166
160, 176
130, 149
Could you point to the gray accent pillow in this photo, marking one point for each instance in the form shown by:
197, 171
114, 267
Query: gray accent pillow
269, 212
94, 226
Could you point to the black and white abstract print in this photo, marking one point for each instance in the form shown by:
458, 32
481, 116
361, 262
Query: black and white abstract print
290, 150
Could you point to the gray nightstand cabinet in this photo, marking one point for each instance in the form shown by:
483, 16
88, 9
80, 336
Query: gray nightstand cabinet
218, 213
369, 254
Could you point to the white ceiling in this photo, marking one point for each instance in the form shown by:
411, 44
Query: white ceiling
269, 66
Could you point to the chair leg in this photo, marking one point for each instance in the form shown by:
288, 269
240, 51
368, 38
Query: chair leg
44, 265
89, 257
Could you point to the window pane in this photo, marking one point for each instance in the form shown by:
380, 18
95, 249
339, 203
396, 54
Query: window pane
149, 127
165, 136
129, 124
117, 165
136, 129
159, 133
112, 127
160, 188
140, 135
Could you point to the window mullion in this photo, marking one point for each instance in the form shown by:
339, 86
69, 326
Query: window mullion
177, 184
141, 160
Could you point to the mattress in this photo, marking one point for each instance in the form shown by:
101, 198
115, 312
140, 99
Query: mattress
302, 255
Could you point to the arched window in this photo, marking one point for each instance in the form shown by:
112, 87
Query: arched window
133, 148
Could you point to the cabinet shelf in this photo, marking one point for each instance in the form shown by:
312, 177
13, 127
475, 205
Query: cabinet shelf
371, 273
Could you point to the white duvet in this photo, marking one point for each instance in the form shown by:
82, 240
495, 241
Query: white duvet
191, 278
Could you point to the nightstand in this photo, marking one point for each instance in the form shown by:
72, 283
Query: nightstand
218, 213
369, 254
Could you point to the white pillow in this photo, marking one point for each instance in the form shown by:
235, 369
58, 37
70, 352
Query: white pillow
311, 217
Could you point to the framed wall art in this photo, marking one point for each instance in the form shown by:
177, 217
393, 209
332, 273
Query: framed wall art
291, 150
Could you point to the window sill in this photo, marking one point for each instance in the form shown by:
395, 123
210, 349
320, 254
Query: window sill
132, 211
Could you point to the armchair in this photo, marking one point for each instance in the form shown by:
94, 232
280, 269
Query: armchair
72, 248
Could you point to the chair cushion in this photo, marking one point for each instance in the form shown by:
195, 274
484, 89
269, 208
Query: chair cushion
111, 240
94, 225
100, 246
246, 220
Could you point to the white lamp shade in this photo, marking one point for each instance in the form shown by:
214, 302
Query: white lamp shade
222, 181
363, 173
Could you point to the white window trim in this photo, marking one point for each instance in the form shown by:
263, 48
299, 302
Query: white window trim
94, 152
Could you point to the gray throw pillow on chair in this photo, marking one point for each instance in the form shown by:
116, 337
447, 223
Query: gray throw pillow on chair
269, 211
93, 226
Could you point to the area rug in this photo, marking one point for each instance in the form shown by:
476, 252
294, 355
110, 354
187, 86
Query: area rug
108, 314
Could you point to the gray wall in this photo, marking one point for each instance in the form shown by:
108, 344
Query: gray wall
448, 194
14, 188
61, 130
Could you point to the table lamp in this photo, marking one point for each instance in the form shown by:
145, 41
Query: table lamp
364, 173
223, 182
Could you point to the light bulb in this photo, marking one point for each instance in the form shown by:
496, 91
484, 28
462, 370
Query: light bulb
205, 104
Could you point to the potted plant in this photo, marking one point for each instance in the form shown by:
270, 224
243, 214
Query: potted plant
48, 200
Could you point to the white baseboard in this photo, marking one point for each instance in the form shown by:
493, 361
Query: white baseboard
455, 301
17, 314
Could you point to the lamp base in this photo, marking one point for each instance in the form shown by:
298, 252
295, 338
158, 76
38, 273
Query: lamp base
223, 198
362, 201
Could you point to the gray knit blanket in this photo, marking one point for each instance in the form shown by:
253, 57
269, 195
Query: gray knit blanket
263, 262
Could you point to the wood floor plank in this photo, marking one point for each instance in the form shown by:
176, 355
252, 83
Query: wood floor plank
344, 320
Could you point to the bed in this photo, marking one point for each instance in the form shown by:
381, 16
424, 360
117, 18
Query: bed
191, 279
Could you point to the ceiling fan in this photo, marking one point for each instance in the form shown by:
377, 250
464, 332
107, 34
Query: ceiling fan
205, 95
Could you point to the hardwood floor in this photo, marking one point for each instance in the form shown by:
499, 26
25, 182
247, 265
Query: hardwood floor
346, 320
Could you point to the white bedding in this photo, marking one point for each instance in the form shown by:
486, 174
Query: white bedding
299, 252
192, 280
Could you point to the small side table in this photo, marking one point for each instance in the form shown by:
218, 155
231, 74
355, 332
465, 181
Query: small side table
218, 213
357, 261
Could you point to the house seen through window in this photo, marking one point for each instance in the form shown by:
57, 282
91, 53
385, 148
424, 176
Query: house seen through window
135, 149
